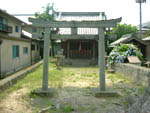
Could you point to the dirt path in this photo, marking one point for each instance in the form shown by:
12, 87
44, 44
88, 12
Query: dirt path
14, 103
77, 93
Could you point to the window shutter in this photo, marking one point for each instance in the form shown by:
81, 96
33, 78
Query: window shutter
17, 29
14, 51
17, 51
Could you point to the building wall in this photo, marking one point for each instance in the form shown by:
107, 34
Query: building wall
13, 23
10, 64
36, 52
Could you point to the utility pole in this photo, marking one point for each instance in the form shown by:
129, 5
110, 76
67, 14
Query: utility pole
140, 4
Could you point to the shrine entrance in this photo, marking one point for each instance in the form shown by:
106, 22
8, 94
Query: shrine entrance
80, 49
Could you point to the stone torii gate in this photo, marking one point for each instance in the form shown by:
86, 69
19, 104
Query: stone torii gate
47, 25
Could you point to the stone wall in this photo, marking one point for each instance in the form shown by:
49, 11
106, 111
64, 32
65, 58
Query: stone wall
137, 73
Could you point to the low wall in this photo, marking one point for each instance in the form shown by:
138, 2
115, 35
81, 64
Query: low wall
12, 79
137, 73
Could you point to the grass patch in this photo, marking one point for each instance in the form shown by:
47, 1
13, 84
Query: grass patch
117, 78
67, 108
86, 75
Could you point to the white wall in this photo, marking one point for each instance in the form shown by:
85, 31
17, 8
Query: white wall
13, 23
8, 63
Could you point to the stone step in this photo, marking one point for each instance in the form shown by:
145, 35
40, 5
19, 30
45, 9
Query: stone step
80, 62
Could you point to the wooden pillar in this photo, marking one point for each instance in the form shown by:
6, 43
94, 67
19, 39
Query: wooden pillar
102, 58
46, 58
73, 32
68, 50
94, 49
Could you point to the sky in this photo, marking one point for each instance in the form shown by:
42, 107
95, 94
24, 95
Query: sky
127, 9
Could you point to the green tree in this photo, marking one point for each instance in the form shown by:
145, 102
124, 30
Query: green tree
119, 30
147, 33
49, 13
122, 29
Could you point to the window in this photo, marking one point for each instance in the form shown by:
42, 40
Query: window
17, 29
1, 20
25, 50
5, 21
37, 47
3, 24
34, 30
32, 47
15, 51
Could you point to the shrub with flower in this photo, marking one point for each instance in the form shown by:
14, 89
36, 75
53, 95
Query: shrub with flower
119, 53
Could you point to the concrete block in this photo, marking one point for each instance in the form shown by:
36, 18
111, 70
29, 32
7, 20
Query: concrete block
40, 92
107, 93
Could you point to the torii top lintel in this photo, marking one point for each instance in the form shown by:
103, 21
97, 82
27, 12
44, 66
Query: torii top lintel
74, 24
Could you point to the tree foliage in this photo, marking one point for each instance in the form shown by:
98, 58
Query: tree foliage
49, 13
122, 29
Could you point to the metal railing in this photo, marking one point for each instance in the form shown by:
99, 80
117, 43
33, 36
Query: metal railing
5, 28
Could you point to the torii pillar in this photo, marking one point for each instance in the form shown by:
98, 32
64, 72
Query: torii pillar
102, 92
101, 57
45, 91
46, 59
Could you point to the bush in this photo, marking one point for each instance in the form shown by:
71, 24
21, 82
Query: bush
120, 53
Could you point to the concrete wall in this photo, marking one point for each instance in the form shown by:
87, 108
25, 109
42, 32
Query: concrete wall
10, 64
137, 73
13, 23
36, 52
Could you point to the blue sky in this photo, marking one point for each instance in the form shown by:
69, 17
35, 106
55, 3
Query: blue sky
127, 9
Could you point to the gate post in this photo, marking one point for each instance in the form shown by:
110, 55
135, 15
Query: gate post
101, 57
46, 58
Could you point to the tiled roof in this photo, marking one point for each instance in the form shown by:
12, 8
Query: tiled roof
147, 39
146, 25
127, 38
121, 40
11, 16
80, 16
